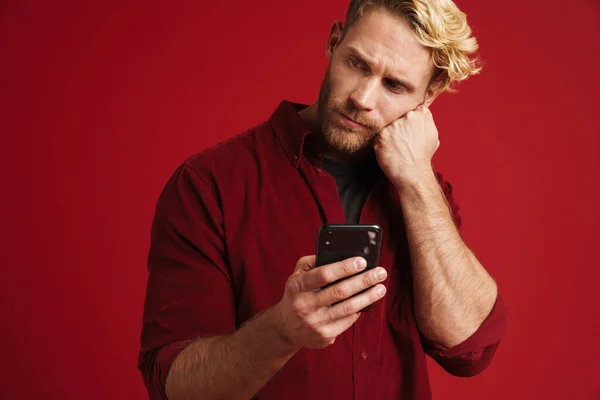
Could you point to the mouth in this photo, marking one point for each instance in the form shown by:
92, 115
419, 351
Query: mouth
351, 123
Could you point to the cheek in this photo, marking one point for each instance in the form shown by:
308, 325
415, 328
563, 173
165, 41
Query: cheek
396, 107
342, 82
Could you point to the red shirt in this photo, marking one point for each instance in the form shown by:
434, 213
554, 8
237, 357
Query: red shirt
228, 230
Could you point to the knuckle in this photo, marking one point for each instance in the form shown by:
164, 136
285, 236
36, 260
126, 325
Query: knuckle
332, 314
305, 263
340, 291
325, 275
299, 309
312, 325
295, 284
368, 279
305, 259
326, 333
321, 332
349, 307
349, 266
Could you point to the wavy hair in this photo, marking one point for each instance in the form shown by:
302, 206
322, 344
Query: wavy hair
438, 25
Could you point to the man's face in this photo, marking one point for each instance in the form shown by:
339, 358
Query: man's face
377, 73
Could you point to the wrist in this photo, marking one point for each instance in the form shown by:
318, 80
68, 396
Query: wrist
262, 338
414, 177
277, 333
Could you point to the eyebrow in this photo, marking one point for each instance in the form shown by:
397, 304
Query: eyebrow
357, 53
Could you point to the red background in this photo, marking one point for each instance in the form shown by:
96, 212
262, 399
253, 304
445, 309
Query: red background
101, 101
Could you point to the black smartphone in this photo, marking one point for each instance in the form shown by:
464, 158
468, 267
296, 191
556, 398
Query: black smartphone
337, 242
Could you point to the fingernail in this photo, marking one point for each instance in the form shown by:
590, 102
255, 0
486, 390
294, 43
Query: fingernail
360, 263
381, 290
381, 273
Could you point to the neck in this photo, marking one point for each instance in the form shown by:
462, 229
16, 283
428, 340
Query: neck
359, 157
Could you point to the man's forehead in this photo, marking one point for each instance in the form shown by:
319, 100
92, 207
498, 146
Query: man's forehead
416, 68
386, 38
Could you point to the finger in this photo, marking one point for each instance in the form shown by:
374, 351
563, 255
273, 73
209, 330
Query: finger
428, 116
351, 286
339, 326
430, 123
356, 303
319, 277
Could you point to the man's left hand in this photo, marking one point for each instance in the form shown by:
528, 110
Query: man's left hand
405, 147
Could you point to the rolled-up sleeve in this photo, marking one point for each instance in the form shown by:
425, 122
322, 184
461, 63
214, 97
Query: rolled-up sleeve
189, 290
473, 355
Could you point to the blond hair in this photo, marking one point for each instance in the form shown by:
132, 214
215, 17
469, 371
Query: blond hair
440, 26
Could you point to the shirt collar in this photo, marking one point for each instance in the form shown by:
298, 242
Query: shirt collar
291, 130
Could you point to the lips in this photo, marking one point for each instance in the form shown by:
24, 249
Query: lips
352, 123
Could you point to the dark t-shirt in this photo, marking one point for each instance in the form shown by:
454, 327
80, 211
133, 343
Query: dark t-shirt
354, 182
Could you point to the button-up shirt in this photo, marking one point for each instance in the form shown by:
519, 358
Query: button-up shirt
228, 229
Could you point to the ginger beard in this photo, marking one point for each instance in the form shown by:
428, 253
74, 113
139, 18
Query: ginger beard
338, 136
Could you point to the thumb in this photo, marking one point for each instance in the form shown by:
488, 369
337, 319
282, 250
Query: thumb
306, 263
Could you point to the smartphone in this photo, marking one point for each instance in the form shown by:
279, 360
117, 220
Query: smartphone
337, 242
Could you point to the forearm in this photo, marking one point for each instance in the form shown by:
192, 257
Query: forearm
453, 293
230, 367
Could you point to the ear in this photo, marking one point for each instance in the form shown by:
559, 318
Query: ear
430, 95
335, 38
432, 91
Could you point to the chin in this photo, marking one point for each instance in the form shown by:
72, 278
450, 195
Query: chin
349, 143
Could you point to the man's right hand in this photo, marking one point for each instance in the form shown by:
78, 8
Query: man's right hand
306, 317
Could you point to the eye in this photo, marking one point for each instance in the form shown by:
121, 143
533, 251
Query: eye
394, 86
357, 64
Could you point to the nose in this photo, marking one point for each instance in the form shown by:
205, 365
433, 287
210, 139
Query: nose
364, 95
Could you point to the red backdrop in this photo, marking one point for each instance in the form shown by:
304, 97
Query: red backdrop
100, 101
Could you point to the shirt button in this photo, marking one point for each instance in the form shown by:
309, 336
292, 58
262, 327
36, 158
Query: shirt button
364, 355
319, 171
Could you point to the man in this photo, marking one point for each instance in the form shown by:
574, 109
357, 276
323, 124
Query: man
233, 307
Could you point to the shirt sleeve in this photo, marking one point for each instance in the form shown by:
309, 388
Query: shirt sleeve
189, 290
472, 356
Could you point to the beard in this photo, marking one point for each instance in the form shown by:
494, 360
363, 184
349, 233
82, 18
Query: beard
337, 136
